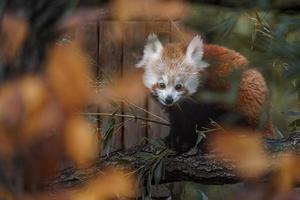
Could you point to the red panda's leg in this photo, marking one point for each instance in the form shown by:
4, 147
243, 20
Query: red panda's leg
251, 99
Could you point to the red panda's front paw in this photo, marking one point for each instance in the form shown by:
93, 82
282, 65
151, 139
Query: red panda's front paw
170, 141
184, 147
178, 144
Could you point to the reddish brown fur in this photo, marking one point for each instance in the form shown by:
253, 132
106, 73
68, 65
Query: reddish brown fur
173, 54
253, 90
173, 51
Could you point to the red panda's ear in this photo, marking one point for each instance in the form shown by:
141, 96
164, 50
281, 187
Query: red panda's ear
152, 50
194, 53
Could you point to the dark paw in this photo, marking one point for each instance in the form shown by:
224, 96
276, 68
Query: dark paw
170, 142
178, 144
183, 147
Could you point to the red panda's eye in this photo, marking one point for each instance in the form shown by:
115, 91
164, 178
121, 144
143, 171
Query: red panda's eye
162, 85
178, 87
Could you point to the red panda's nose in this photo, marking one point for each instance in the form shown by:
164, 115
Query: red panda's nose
169, 100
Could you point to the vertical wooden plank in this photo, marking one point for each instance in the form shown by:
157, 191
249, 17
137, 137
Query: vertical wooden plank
110, 63
134, 37
162, 29
110, 49
87, 34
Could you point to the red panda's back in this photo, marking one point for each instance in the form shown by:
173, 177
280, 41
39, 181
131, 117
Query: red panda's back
253, 90
222, 61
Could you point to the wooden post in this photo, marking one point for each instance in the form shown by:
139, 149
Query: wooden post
134, 37
110, 63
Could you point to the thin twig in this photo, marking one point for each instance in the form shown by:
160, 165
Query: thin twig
146, 111
128, 116
178, 29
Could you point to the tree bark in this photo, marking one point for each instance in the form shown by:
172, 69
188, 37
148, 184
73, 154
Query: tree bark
197, 167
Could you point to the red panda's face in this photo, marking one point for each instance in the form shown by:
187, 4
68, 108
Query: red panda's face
169, 84
172, 72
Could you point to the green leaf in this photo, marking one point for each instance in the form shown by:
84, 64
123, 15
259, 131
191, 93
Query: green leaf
149, 181
200, 137
158, 172
159, 143
145, 155
295, 123
107, 139
203, 195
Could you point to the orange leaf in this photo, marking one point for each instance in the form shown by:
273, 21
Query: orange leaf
111, 184
68, 72
287, 172
81, 141
13, 33
245, 149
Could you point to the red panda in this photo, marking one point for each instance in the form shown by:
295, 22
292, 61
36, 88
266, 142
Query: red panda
176, 74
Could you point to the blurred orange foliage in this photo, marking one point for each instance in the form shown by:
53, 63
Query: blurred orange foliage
37, 109
245, 148
246, 151
287, 173
81, 141
128, 88
126, 10
68, 73
40, 118
13, 33
148, 9
111, 184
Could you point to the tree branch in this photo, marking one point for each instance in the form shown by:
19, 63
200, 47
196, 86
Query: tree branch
199, 167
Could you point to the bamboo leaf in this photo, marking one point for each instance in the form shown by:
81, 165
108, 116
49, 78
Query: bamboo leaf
149, 181
159, 143
158, 172
203, 195
107, 139
145, 155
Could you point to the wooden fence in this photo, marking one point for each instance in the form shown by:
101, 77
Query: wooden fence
110, 56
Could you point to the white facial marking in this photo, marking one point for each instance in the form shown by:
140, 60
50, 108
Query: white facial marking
185, 72
150, 78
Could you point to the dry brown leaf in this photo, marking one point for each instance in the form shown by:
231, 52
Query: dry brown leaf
11, 106
148, 9
41, 113
128, 88
41, 160
80, 17
111, 184
5, 194
81, 141
61, 194
6, 145
44, 122
27, 107
126, 10
68, 72
13, 33
245, 148
287, 172
34, 93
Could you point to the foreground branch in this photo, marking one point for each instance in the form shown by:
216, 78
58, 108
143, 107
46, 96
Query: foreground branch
200, 168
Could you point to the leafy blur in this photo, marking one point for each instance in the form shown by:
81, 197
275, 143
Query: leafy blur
46, 82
